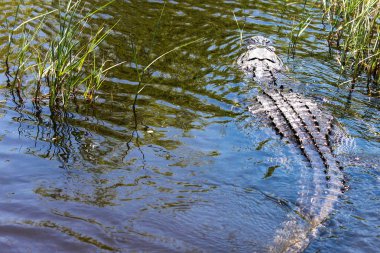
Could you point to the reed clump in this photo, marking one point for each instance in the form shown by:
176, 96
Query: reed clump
65, 62
355, 31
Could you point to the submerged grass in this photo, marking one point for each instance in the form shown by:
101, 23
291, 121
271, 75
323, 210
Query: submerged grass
65, 64
355, 31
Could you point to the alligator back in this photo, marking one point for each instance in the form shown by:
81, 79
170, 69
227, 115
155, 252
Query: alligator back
299, 119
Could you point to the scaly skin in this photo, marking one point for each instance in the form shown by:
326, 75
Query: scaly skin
299, 120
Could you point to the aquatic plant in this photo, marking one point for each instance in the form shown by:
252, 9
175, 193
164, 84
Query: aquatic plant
241, 29
297, 30
66, 62
355, 31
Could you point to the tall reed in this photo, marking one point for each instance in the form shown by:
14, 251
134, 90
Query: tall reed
296, 32
68, 62
355, 30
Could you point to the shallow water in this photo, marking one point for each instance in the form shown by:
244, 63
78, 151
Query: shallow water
197, 172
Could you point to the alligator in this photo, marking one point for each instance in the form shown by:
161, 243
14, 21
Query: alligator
300, 121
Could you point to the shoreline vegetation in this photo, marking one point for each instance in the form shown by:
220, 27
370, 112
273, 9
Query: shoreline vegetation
63, 63
355, 33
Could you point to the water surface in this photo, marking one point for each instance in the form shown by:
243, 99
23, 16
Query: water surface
194, 171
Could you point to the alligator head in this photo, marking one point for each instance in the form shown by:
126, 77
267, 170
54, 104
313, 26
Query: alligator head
260, 60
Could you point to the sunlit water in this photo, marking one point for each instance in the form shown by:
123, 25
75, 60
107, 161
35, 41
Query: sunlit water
198, 173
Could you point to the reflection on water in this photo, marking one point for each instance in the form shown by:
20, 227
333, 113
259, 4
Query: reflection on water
191, 170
